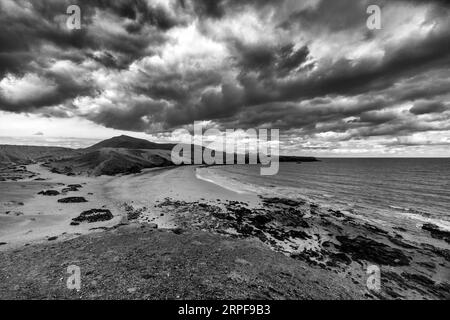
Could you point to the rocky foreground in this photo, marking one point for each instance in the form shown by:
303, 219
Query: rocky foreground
330, 240
140, 262
286, 249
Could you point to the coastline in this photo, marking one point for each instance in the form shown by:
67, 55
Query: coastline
174, 201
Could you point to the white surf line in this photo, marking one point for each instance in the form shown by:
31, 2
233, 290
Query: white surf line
199, 177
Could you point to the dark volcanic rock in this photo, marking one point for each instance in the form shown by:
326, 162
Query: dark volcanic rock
336, 213
260, 220
416, 282
71, 187
245, 229
239, 211
375, 229
339, 258
400, 243
436, 232
72, 200
292, 218
418, 278
299, 234
134, 169
94, 215
361, 248
178, 230
444, 253
427, 264
284, 201
49, 193
75, 186
133, 213
308, 255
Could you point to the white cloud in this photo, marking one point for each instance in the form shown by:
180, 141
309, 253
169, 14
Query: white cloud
30, 87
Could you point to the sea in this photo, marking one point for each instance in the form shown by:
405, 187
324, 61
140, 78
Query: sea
403, 192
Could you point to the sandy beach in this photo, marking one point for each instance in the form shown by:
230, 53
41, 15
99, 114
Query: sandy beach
27, 217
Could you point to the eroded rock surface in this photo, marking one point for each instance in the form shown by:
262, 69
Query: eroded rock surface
94, 215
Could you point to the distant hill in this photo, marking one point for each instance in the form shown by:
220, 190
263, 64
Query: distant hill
27, 154
121, 154
111, 161
128, 142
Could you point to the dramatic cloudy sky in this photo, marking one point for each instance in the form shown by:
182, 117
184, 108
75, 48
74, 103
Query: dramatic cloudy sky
309, 68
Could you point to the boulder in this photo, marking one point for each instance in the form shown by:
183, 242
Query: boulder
436, 232
94, 215
75, 186
49, 193
69, 189
72, 200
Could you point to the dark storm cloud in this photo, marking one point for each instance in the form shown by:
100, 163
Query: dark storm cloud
309, 66
443, 3
396, 129
424, 107
335, 16
219, 8
23, 35
105, 58
270, 61
137, 13
262, 65
375, 117
331, 15
135, 116
346, 77
26, 32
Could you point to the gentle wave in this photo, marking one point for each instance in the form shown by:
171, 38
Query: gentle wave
221, 181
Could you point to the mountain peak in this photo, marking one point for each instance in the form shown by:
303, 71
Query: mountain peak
127, 142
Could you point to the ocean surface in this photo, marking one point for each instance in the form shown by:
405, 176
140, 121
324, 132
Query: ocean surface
404, 192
